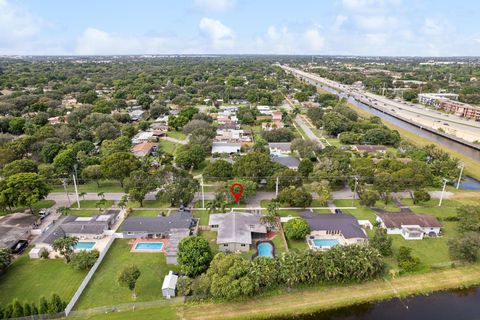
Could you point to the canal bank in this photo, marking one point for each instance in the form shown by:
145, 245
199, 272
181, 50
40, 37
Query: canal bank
315, 299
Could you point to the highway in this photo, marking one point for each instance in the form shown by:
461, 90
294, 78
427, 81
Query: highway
465, 129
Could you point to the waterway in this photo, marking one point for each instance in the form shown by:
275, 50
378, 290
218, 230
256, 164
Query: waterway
448, 305
465, 150
469, 183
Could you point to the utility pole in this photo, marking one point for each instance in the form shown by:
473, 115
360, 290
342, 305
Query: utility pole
203, 195
354, 191
66, 192
443, 191
460, 176
76, 191
276, 187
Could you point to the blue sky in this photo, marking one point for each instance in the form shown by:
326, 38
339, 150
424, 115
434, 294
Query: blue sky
357, 27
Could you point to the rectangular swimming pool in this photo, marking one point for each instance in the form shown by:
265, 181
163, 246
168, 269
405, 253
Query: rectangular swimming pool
84, 245
149, 246
325, 242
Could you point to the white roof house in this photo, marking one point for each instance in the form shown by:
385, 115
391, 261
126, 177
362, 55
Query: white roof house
143, 136
169, 285
223, 147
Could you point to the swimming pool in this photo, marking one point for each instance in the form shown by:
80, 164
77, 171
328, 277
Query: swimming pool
150, 246
84, 245
325, 242
265, 249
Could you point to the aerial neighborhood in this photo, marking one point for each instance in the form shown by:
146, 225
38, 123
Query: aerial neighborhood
193, 183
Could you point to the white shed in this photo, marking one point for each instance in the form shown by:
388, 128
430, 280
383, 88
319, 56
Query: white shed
169, 285
36, 253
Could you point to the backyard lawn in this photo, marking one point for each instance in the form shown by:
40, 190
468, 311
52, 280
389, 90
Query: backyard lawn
168, 146
211, 237
179, 135
104, 290
29, 280
279, 246
203, 215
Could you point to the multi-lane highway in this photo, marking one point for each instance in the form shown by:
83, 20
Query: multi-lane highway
462, 128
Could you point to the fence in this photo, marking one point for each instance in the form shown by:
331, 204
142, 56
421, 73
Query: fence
59, 315
125, 307
89, 276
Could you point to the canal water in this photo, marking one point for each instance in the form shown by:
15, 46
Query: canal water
449, 305
469, 183
460, 148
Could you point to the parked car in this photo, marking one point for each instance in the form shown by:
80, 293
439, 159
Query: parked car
19, 246
43, 213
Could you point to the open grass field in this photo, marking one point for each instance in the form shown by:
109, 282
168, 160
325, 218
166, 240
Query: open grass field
318, 298
29, 280
104, 290
87, 204
105, 186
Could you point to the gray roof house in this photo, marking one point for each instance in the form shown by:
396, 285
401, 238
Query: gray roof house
81, 227
287, 161
280, 147
176, 226
225, 147
343, 227
235, 230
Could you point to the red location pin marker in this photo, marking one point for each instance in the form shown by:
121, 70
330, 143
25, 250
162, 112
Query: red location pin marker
236, 190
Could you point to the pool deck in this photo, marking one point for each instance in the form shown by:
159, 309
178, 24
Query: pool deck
135, 241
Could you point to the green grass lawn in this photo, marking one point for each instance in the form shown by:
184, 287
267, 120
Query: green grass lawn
84, 213
104, 290
92, 204
390, 206
162, 313
179, 135
158, 203
297, 245
430, 251
105, 186
29, 280
168, 146
36, 206
211, 237
199, 170
361, 213
203, 215
279, 246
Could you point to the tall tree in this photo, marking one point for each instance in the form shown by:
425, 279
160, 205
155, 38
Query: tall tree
65, 246
119, 165
128, 278
138, 184
23, 189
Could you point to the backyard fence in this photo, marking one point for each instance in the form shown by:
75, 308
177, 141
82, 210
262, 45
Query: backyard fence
89, 276
59, 315
135, 306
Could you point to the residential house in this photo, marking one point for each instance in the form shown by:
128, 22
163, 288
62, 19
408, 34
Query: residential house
287, 161
365, 148
144, 136
93, 227
268, 126
237, 230
265, 110
280, 147
277, 116
343, 228
176, 226
55, 120
410, 226
136, 114
225, 147
143, 149
169, 285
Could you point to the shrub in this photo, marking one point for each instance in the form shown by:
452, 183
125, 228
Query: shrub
406, 261
194, 255
84, 260
296, 228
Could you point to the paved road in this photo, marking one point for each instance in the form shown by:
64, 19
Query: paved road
312, 136
461, 127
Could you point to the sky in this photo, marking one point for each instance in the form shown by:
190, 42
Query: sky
310, 27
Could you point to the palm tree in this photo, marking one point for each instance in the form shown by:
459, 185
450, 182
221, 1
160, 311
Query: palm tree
101, 203
271, 217
63, 210
101, 195
82, 195
123, 202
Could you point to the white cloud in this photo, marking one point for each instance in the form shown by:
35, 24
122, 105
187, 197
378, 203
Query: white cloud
364, 5
315, 41
375, 22
18, 27
433, 27
215, 5
220, 35
97, 42
340, 20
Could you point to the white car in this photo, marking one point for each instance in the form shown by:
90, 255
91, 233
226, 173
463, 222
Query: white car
43, 213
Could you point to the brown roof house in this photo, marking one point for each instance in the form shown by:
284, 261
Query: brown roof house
143, 149
410, 226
